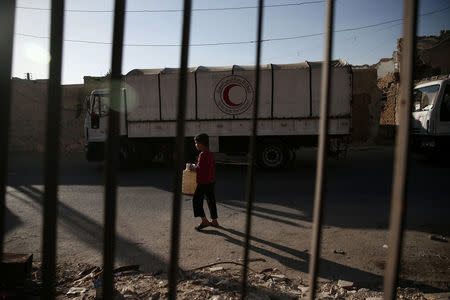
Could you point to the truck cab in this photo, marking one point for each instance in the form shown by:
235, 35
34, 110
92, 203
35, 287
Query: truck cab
96, 122
431, 116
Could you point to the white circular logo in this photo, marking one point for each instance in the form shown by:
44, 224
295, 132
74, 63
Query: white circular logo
233, 95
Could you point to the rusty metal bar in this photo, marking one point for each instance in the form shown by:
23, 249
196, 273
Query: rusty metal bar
51, 173
321, 152
7, 14
252, 157
179, 152
401, 163
112, 152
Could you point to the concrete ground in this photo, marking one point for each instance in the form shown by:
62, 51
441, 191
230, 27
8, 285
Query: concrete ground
356, 216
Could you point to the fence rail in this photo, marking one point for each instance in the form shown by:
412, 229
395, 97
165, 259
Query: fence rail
7, 14
51, 158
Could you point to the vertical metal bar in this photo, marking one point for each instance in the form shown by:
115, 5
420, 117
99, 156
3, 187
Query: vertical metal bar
179, 153
7, 14
401, 163
321, 152
252, 157
112, 152
52, 151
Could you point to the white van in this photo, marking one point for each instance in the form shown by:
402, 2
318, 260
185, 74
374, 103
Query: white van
431, 116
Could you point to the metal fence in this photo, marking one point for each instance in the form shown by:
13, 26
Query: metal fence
7, 13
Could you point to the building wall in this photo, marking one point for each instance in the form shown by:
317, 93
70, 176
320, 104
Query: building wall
365, 106
431, 55
385, 67
29, 114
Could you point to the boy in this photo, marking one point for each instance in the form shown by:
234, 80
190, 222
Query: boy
205, 182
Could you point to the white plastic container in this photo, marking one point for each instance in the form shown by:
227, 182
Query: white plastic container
189, 181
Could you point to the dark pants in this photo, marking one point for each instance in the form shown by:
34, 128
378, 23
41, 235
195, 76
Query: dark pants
201, 191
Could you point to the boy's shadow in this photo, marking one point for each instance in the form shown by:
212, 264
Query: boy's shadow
299, 260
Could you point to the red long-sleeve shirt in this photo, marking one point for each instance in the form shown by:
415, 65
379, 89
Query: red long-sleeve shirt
205, 167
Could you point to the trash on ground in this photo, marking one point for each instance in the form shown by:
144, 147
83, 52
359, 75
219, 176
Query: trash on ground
76, 291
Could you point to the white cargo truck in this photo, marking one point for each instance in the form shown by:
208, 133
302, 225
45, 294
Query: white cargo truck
219, 103
431, 116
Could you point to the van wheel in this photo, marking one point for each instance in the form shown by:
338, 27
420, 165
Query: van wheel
273, 156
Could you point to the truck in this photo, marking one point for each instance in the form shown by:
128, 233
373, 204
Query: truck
219, 103
431, 116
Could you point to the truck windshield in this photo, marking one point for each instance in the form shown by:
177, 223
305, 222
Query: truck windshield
101, 104
424, 97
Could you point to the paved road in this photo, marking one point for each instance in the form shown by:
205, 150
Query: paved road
355, 220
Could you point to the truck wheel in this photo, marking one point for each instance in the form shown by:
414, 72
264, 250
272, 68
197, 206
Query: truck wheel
292, 157
273, 156
94, 151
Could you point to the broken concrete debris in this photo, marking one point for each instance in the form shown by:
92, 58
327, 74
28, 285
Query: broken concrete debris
207, 283
215, 269
218, 297
437, 296
279, 277
345, 284
76, 291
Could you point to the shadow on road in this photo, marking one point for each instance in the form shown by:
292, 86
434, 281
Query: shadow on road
11, 221
91, 233
299, 261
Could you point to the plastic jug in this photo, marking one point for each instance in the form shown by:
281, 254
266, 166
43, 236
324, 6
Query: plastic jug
189, 183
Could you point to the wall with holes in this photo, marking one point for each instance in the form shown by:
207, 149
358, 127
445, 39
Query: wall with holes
29, 113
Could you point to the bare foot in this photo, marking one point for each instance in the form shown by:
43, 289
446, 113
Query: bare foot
214, 223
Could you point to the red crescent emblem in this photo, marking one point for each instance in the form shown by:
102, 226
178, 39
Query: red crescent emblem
226, 96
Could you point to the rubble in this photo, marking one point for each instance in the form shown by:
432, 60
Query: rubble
438, 296
215, 269
389, 85
278, 277
345, 284
216, 283
75, 291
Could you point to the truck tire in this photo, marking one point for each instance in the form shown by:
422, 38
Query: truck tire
291, 157
273, 155
95, 151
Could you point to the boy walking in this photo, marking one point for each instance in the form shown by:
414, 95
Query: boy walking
205, 169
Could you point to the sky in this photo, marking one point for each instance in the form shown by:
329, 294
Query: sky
152, 38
